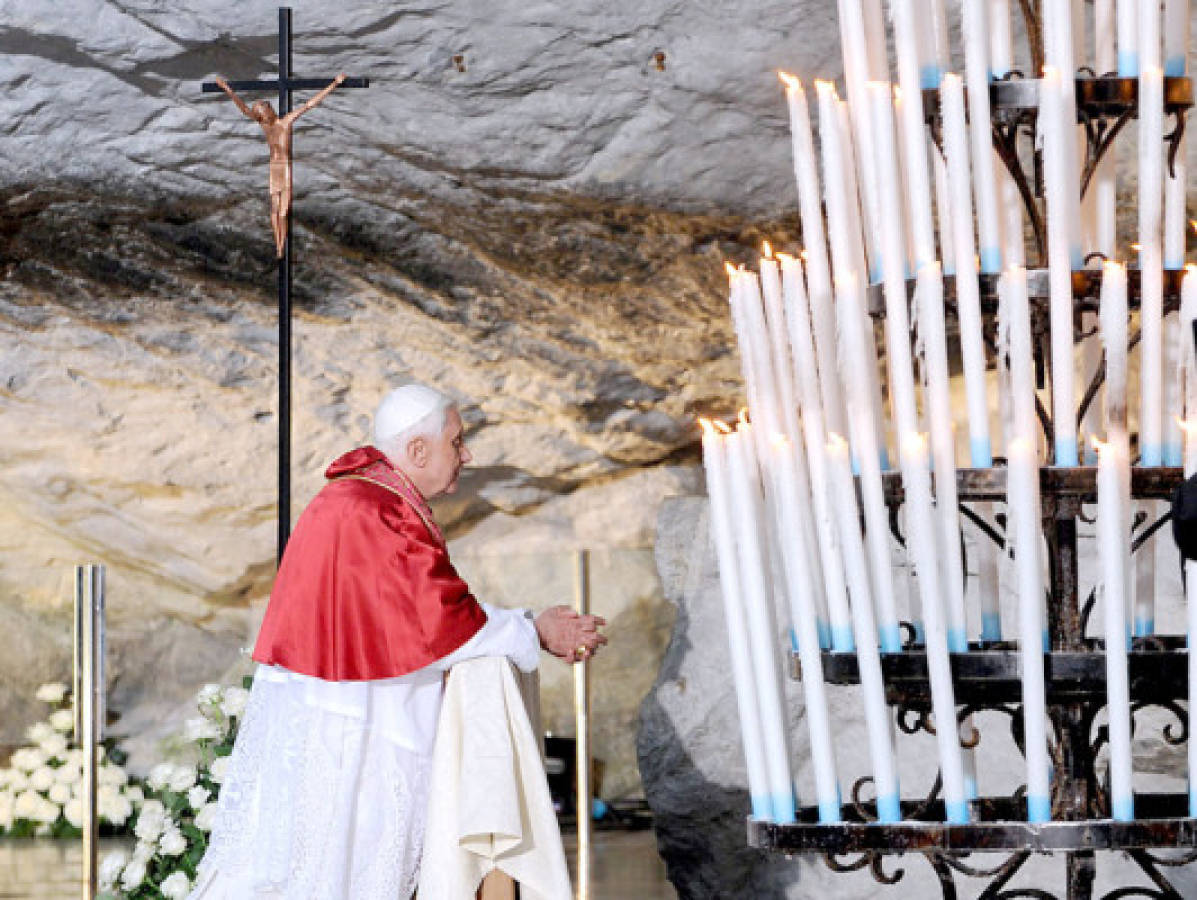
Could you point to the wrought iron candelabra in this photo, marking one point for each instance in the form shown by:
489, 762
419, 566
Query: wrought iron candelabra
987, 678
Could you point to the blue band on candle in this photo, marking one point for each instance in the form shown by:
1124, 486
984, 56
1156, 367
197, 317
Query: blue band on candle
1128, 64
889, 809
980, 452
891, 638
991, 260
991, 626
1047, 641
920, 633
829, 811
1144, 626
970, 786
1123, 808
842, 640
875, 274
1174, 66
1076, 257
824, 635
957, 813
855, 466
1174, 454
783, 808
1151, 455
1066, 451
1174, 263
1089, 454
884, 459
930, 76
762, 809
793, 640
1039, 809
1193, 801
957, 640
949, 269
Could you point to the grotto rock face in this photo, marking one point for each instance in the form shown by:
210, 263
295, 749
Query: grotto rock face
529, 207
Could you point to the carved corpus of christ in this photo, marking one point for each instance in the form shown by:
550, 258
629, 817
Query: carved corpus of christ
278, 139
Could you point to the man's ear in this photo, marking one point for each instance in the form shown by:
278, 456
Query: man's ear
417, 451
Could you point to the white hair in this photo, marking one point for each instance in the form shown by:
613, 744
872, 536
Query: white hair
411, 411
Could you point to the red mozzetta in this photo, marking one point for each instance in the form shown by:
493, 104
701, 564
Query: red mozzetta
365, 589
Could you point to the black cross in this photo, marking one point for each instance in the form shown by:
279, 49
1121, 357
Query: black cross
284, 84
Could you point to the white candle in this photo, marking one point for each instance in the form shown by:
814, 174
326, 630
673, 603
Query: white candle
914, 133
798, 578
872, 686
762, 632
1174, 339
1151, 149
936, 63
980, 129
1001, 52
855, 53
1176, 36
818, 272
876, 514
778, 344
943, 207
1113, 542
921, 544
1128, 38
1023, 503
1113, 321
831, 563
929, 302
1058, 51
968, 301
1012, 287
1054, 128
1188, 365
715, 463
1188, 312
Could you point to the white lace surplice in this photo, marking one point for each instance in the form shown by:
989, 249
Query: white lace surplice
326, 793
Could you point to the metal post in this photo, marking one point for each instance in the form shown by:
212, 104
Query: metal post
89, 706
582, 714
284, 308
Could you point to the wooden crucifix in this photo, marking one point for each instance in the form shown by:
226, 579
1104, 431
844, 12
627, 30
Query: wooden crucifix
277, 127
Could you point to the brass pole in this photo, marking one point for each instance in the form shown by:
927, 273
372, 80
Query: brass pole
89, 596
582, 715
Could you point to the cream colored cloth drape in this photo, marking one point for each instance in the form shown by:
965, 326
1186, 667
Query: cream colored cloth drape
489, 804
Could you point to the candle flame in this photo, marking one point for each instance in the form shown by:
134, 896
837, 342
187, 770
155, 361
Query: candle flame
802, 254
1138, 248
1099, 446
1193, 224
792, 82
766, 249
731, 271
708, 428
1188, 426
784, 258
836, 443
742, 418
722, 427
1191, 267
779, 441
1113, 265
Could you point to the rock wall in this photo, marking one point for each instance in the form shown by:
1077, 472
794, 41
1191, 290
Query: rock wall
538, 227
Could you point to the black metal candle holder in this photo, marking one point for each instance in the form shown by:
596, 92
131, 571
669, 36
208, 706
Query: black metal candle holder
987, 678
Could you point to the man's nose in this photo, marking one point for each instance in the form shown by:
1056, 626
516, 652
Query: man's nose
466, 456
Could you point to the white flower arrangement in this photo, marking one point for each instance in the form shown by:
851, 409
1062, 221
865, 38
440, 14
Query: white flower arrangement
40, 788
174, 819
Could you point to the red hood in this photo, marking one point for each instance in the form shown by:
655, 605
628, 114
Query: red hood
354, 461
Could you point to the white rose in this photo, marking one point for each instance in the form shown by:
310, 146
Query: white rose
28, 758
134, 793
68, 774
172, 842
60, 793
209, 695
219, 769
41, 778
47, 812
74, 756
175, 886
198, 796
5, 775
6, 805
17, 780
201, 729
150, 821
111, 774
73, 810
53, 692
54, 746
26, 804
39, 731
181, 779
206, 817
235, 701
116, 809
110, 869
144, 851
63, 720
159, 776
133, 875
